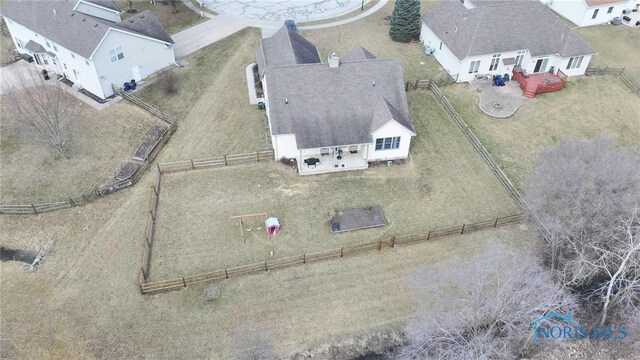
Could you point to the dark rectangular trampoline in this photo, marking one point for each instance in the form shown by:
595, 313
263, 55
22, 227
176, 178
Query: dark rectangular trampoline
356, 218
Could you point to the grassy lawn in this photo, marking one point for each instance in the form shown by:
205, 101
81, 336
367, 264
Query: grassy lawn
373, 34
7, 50
617, 46
99, 141
587, 107
213, 104
83, 301
171, 22
445, 184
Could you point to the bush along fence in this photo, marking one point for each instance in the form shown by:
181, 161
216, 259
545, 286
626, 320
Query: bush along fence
98, 192
259, 267
627, 79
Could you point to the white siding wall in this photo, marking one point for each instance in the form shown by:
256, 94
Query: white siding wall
98, 12
578, 13
85, 75
285, 146
572, 10
444, 56
391, 129
577, 71
149, 55
603, 17
485, 62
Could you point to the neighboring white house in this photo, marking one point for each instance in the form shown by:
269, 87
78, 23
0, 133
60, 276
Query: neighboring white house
590, 12
86, 42
493, 36
332, 116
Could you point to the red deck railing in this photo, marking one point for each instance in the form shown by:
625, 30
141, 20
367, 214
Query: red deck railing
537, 83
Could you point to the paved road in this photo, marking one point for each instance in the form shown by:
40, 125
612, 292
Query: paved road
203, 34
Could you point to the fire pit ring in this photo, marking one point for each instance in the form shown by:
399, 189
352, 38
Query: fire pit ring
497, 105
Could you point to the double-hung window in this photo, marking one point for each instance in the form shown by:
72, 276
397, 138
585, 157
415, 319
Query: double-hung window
575, 62
595, 13
474, 66
388, 143
495, 60
610, 10
116, 54
520, 57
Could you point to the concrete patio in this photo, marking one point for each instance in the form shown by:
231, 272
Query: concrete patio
499, 101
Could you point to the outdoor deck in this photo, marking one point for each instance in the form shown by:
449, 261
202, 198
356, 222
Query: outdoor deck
328, 164
532, 84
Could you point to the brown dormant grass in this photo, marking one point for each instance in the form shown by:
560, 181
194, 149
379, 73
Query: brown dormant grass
587, 107
100, 141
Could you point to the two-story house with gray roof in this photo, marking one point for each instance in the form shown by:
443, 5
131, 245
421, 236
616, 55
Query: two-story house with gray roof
480, 37
333, 116
86, 41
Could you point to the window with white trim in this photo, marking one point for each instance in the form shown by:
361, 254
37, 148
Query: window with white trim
495, 60
73, 55
116, 54
76, 73
388, 143
48, 43
474, 66
86, 62
19, 43
610, 10
575, 62
595, 13
54, 47
520, 57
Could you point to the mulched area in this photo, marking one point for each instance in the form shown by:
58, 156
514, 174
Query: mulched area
356, 218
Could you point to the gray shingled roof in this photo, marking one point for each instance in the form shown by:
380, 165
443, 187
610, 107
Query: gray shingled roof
285, 47
326, 106
73, 30
359, 53
146, 24
109, 4
501, 27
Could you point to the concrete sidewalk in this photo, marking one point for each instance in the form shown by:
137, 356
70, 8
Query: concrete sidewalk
206, 33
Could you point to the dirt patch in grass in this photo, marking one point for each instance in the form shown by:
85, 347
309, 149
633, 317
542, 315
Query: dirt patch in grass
84, 301
372, 33
617, 46
99, 142
587, 107
163, 11
445, 184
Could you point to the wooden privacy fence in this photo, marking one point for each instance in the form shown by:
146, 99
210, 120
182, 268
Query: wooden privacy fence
220, 161
500, 175
145, 105
255, 268
95, 193
627, 79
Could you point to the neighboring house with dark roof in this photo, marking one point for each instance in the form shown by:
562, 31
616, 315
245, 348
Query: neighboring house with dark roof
344, 113
86, 42
483, 37
590, 12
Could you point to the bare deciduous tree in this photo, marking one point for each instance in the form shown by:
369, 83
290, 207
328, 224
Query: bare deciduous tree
581, 190
493, 319
620, 264
43, 108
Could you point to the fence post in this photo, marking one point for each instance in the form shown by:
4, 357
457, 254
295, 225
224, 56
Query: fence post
192, 167
406, 86
341, 251
34, 209
226, 274
257, 156
429, 235
304, 258
225, 160
495, 224
265, 266
379, 244
97, 192
393, 241
152, 217
416, 84
160, 171
184, 283
71, 202
462, 231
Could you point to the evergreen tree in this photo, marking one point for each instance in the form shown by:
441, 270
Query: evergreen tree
405, 20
